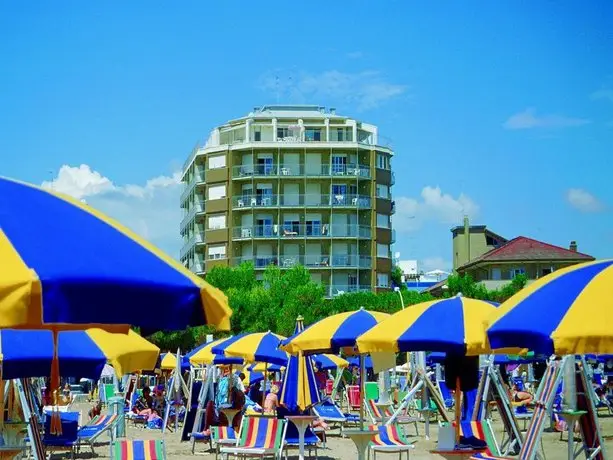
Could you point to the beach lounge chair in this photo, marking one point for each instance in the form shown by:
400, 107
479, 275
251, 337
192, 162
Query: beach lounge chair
446, 395
67, 440
377, 416
330, 413
352, 393
222, 436
127, 449
259, 437
88, 434
389, 439
311, 440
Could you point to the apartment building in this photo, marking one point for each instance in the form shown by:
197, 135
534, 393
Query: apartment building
290, 185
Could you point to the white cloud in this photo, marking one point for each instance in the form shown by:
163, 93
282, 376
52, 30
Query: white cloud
529, 119
151, 210
606, 94
583, 201
355, 55
435, 263
433, 205
364, 90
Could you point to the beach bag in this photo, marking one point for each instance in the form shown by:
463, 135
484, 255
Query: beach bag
155, 424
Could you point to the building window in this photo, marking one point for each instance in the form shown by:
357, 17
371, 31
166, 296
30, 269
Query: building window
546, 271
382, 161
217, 222
257, 134
517, 271
312, 134
217, 192
383, 250
217, 162
383, 191
383, 220
217, 251
491, 241
496, 274
339, 164
383, 280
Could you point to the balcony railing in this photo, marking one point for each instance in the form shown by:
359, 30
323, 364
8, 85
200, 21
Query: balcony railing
333, 290
302, 231
393, 236
309, 260
197, 179
299, 200
191, 214
297, 170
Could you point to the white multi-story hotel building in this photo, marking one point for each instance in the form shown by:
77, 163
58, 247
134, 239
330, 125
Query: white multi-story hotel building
290, 185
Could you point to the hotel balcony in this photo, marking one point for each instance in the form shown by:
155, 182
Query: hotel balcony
312, 261
289, 232
300, 170
332, 290
197, 208
198, 179
247, 202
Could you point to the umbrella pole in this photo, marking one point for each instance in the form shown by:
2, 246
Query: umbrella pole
458, 410
54, 381
362, 386
264, 389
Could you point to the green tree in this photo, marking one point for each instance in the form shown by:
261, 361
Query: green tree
397, 277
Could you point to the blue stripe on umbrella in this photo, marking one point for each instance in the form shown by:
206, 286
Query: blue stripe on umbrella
523, 328
26, 353
79, 355
354, 361
354, 326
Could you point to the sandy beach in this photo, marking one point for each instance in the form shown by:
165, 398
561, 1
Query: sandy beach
338, 448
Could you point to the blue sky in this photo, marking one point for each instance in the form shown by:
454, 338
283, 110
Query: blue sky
502, 110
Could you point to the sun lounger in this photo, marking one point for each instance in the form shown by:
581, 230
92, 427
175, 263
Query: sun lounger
311, 440
88, 434
258, 437
389, 439
126, 449
221, 436
331, 414
377, 416
352, 393
67, 440
445, 394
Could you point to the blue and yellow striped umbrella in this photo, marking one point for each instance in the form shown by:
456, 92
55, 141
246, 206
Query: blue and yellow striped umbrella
29, 353
299, 387
204, 355
254, 347
328, 362
453, 325
567, 312
63, 262
334, 332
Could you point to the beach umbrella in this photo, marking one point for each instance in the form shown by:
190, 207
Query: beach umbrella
333, 333
453, 325
29, 353
63, 262
567, 312
329, 362
354, 361
254, 347
299, 388
264, 367
449, 325
203, 355
168, 362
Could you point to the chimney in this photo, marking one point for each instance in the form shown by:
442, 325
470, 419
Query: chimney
573, 246
467, 238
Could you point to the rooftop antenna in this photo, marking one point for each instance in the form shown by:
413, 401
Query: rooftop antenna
277, 87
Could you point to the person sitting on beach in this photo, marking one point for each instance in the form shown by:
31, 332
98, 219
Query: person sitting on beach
95, 410
272, 401
66, 394
521, 398
144, 404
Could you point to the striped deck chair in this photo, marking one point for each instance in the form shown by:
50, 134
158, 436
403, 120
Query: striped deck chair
588, 424
222, 436
88, 434
389, 439
127, 449
446, 395
479, 436
352, 393
330, 413
379, 417
258, 437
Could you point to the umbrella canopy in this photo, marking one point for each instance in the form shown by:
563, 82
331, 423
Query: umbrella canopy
567, 312
203, 355
168, 362
29, 353
256, 347
334, 332
299, 387
263, 367
450, 325
328, 362
354, 361
85, 268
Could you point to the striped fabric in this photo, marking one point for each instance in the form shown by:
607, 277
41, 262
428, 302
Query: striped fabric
388, 436
222, 432
540, 411
486, 456
126, 449
261, 433
101, 420
588, 423
475, 429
